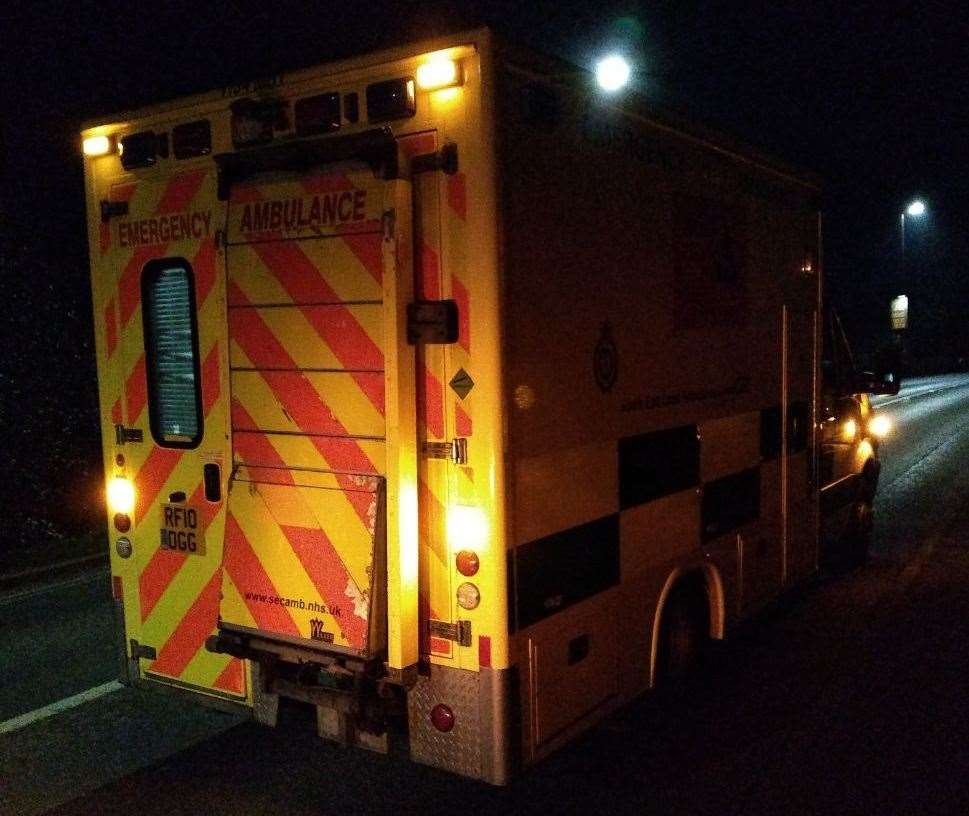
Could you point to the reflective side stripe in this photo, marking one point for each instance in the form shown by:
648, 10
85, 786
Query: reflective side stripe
430, 409
110, 327
136, 390
164, 565
232, 678
129, 285
151, 478
190, 634
181, 191
211, 380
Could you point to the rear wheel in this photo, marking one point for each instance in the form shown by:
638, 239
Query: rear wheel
684, 631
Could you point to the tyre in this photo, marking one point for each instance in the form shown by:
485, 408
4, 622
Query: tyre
857, 540
684, 632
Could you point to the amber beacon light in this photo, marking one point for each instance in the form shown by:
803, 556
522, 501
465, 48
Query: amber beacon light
438, 72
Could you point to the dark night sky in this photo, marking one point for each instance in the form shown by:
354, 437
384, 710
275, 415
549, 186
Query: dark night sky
874, 96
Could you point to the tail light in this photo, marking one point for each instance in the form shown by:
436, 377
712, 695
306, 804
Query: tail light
442, 718
467, 562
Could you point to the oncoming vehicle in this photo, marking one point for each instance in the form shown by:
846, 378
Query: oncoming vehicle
436, 381
849, 465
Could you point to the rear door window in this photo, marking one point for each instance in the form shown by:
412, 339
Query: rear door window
171, 353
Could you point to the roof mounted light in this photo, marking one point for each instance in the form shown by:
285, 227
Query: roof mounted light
437, 73
97, 145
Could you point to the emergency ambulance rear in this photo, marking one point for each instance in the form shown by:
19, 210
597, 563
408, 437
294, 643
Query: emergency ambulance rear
433, 382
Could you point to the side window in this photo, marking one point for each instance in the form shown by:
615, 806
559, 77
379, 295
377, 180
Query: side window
171, 353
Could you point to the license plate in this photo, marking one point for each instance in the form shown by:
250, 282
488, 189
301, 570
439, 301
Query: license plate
182, 530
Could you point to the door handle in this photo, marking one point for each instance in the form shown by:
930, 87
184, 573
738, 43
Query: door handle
212, 480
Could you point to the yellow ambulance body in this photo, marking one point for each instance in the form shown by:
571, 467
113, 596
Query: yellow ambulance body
435, 378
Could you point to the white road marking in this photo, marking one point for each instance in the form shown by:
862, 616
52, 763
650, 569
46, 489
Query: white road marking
920, 391
32, 592
15, 724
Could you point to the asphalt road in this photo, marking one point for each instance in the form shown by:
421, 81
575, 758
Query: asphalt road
850, 697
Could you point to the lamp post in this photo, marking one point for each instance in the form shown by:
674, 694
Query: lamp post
915, 209
899, 306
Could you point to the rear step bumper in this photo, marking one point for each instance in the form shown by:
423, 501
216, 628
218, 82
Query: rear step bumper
352, 700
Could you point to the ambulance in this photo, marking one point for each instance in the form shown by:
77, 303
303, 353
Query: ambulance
447, 395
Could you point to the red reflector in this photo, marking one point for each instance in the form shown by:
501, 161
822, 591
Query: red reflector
442, 718
484, 652
122, 522
117, 588
467, 562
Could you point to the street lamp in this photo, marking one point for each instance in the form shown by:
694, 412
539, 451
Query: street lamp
612, 73
915, 209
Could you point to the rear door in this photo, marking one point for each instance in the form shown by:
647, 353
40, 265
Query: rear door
315, 266
166, 346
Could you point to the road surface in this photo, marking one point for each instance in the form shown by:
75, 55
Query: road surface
850, 697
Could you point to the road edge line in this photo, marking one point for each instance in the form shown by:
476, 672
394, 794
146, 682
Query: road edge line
66, 704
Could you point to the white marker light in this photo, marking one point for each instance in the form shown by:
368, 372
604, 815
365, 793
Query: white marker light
468, 596
916, 208
438, 73
612, 73
96, 145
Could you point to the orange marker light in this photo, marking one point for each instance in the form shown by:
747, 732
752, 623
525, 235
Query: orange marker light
97, 145
438, 73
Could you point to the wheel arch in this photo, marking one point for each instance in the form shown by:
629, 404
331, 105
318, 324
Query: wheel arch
707, 574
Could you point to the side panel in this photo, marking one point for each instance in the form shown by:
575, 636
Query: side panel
660, 305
